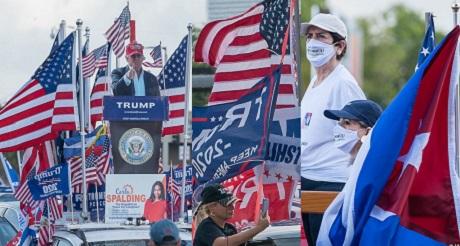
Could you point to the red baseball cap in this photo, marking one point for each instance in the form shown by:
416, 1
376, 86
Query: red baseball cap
134, 48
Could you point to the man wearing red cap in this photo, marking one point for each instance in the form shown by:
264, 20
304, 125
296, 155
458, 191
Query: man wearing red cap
132, 80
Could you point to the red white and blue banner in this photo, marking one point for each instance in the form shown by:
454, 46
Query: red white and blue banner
50, 183
404, 187
233, 137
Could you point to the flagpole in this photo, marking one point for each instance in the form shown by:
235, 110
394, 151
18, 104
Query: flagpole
188, 83
70, 194
18, 155
297, 47
49, 220
97, 202
61, 35
87, 87
166, 139
170, 188
455, 7
84, 213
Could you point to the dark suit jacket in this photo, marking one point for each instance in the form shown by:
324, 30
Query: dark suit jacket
120, 88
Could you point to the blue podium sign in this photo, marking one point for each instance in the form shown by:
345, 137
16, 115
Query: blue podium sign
135, 108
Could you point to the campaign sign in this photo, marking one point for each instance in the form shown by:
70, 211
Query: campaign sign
175, 189
95, 200
51, 182
138, 108
284, 145
230, 138
135, 196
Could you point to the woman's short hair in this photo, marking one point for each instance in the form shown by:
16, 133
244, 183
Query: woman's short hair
336, 38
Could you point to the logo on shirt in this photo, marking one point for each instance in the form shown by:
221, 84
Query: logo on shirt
136, 146
307, 119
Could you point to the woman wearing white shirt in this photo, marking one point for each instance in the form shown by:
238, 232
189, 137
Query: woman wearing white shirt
323, 166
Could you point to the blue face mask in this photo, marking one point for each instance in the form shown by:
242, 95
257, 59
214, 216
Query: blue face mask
319, 53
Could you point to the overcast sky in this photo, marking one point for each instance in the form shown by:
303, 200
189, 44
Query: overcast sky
26, 27
362, 8
25, 35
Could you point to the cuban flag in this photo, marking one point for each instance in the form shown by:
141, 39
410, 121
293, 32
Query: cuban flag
404, 188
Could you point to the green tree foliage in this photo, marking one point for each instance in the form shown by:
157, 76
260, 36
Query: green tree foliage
391, 44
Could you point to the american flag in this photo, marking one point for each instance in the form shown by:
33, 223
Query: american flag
102, 87
47, 229
47, 157
172, 85
29, 166
429, 42
244, 49
23, 194
97, 158
156, 56
37, 159
44, 106
119, 32
95, 59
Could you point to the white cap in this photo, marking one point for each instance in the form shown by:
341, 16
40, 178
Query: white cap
328, 22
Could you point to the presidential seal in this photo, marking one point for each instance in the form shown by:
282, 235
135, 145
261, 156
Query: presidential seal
136, 146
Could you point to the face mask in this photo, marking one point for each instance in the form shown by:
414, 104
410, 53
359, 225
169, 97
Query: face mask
319, 53
345, 139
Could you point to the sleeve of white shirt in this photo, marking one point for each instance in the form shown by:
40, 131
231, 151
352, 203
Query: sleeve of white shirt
346, 92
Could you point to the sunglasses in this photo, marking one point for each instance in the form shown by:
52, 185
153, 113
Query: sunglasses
225, 202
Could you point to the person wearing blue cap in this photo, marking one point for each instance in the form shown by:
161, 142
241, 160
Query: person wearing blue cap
164, 233
355, 120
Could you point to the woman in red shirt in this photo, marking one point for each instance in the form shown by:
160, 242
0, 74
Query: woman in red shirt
155, 206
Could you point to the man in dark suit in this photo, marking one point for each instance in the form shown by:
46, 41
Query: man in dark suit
132, 80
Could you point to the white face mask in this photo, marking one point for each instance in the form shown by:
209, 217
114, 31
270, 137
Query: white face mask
319, 53
345, 139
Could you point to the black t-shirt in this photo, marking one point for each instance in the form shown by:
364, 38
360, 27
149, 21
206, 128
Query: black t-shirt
208, 231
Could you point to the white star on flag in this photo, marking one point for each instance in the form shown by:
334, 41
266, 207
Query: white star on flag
415, 154
425, 51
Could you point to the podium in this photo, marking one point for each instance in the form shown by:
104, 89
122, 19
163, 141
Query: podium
135, 127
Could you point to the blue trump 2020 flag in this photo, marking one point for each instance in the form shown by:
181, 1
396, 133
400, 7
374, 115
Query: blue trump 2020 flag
404, 188
49, 183
230, 138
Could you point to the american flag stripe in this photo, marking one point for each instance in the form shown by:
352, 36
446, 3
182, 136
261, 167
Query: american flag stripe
119, 32
29, 160
97, 162
101, 88
95, 59
172, 84
33, 116
88, 65
44, 105
157, 64
45, 234
241, 55
176, 100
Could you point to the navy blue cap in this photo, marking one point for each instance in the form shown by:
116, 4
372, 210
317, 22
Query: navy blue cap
164, 231
366, 111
